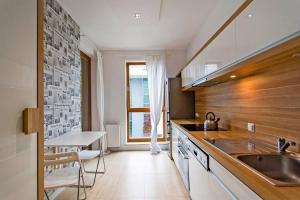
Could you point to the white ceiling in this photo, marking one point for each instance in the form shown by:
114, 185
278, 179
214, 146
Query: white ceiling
165, 24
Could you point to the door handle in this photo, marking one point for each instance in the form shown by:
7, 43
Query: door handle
183, 152
30, 120
195, 153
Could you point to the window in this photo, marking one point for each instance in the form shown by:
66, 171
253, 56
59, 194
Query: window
138, 105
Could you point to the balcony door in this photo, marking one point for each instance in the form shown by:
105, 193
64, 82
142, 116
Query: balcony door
138, 105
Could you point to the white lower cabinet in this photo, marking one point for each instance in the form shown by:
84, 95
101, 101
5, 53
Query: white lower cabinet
234, 185
203, 184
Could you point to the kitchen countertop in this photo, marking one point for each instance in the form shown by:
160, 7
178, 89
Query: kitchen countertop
256, 183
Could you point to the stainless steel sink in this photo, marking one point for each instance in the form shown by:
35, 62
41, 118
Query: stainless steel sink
278, 169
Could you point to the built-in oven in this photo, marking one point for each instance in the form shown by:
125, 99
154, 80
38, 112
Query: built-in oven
180, 155
183, 162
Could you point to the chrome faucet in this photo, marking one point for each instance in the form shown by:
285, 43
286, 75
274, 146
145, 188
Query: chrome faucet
282, 145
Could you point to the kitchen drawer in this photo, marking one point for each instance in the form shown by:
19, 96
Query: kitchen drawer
238, 189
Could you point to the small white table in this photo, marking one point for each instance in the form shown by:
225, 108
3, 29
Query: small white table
80, 139
76, 139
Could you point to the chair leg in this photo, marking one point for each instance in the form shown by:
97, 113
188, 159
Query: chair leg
83, 184
102, 154
103, 161
46, 195
78, 185
96, 172
97, 167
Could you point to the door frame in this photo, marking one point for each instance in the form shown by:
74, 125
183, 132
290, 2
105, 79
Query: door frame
85, 56
40, 99
129, 109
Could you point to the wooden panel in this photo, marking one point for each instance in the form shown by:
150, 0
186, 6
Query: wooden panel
269, 98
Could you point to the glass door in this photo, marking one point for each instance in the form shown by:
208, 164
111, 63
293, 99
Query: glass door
138, 105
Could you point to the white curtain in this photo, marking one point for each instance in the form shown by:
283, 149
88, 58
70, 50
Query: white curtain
156, 78
100, 91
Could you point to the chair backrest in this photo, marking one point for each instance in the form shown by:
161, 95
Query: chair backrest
61, 158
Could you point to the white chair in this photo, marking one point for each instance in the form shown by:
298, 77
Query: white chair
62, 175
87, 155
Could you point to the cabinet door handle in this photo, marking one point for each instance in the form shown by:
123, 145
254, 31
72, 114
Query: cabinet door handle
30, 120
195, 153
183, 153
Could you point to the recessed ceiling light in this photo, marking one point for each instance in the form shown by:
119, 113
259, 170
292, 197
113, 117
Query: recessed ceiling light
233, 76
250, 15
137, 15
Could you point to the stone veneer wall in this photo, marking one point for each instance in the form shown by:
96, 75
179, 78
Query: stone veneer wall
62, 72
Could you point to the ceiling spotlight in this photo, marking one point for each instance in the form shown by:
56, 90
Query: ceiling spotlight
137, 15
233, 76
250, 15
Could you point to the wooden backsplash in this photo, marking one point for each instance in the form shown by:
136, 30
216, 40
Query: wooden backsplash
270, 99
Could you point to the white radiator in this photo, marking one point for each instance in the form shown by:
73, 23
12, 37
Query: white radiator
113, 135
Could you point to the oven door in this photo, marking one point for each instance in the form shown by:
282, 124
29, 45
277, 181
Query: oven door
175, 145
183, 166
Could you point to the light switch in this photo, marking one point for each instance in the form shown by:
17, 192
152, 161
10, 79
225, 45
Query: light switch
251, 127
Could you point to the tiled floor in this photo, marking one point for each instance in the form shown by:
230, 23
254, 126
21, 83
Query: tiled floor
135, 175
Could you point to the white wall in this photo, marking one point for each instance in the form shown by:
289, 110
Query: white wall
176, 60
223, 10
115, 84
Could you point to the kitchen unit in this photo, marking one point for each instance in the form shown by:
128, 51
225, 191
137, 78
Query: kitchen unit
236, 179
248, 74
255, 30
202, 175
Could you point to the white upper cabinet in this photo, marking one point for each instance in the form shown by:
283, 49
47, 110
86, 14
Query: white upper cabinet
265, 22
183, 77
199, 66
188, 74
191, 72
262, 24
221, 52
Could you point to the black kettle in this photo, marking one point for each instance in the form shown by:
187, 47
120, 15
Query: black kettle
211, 123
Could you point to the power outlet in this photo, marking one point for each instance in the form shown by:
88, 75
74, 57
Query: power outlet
251, 127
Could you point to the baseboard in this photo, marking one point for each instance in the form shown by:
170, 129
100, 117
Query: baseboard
138, 147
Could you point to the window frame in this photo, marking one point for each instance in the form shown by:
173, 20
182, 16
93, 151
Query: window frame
129, 109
